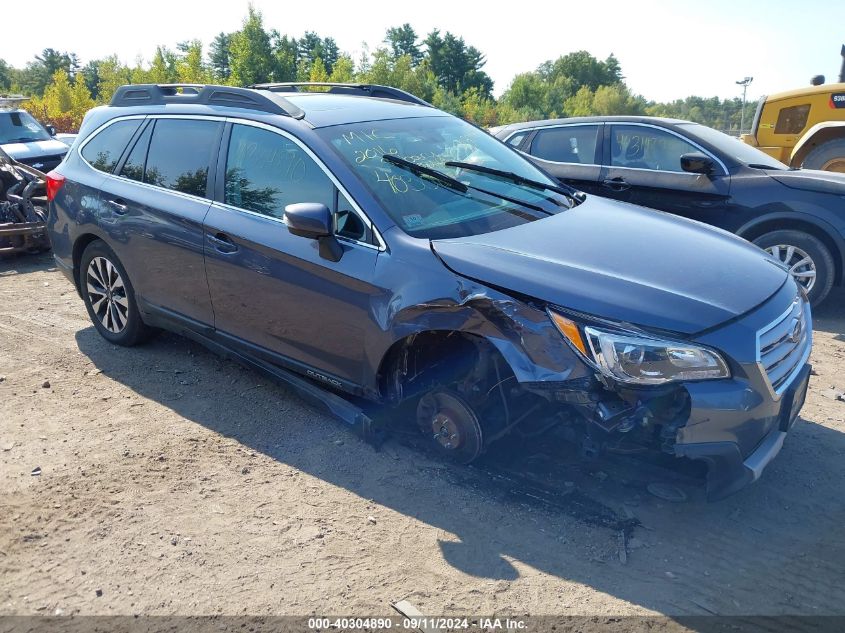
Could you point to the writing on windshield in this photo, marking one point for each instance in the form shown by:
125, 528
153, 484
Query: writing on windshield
452, 202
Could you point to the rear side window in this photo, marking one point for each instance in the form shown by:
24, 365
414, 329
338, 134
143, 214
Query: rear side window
103, 151
133, 167
569, 144
792, 120
265, 172
180, 153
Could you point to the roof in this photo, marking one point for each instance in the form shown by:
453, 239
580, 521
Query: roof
340, 104
513, 127
807, 90
322, 109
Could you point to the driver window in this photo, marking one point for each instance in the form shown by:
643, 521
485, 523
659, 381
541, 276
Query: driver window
265, 172
639, 147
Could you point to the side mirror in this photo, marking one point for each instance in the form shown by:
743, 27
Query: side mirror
51, 130
313, 220
697, 163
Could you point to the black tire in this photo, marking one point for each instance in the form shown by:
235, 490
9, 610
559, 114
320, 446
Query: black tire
109, 297
830, 156
821, 258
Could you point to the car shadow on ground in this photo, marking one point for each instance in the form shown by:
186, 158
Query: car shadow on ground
773, 548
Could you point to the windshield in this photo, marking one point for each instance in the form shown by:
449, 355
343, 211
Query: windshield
733, 147
429, 205
20, 127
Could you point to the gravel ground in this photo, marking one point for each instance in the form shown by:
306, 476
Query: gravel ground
165, 480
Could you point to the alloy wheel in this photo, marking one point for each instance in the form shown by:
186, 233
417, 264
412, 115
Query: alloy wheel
107, 294
801, 265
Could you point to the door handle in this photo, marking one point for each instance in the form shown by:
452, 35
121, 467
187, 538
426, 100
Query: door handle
616, 184
118, 206
223, 244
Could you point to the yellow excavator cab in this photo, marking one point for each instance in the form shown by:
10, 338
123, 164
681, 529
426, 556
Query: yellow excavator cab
803, 127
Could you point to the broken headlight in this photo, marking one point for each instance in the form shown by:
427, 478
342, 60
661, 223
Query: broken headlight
635, 358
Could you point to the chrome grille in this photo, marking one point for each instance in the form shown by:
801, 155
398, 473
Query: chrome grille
784, 345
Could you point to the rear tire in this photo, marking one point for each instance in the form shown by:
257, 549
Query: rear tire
829, 156
794, 248
109, 297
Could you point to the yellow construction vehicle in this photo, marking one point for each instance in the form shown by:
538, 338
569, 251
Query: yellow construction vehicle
804, 127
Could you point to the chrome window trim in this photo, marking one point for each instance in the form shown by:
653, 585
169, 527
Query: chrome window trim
552, 127
673, 133
381, 246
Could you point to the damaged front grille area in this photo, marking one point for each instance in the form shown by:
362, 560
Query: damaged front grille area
784, 345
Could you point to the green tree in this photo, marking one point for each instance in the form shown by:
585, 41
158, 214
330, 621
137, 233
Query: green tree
112, 75
581, 103
343, 70
285, 55
163, 69
37, 74
5, 75
218, 57
251, 56
583, 70
456, 65
190, 67
402, 40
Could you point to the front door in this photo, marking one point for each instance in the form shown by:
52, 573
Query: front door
644, 168
272, 291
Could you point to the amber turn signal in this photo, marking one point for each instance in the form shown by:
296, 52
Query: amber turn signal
570, 330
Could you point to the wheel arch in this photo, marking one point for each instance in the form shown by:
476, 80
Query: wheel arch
815, 136
79, 247
817, 228
403, 357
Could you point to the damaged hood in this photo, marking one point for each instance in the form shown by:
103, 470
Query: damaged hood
624, 263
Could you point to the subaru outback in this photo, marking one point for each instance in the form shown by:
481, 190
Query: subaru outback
358, 239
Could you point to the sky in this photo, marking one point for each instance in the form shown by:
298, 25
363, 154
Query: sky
668, 50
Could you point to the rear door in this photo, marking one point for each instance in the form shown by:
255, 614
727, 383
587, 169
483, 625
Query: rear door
154, 210
571, 153
272, 291
644, 168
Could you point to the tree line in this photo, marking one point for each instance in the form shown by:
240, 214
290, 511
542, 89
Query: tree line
440, 68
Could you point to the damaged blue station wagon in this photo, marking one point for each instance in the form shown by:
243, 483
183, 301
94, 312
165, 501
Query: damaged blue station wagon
359, 239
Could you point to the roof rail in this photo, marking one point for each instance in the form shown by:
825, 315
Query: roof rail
202, 94
366, 90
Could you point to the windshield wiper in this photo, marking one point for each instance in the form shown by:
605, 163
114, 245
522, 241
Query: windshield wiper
569, 192
454, 183
421, 170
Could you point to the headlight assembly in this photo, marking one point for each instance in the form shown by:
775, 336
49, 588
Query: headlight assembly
635, 358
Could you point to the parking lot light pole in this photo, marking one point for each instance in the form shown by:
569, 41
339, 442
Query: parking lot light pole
744, 83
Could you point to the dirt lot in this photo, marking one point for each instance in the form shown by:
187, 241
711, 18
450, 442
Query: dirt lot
174, 482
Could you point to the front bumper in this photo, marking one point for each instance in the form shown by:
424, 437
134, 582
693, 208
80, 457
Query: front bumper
729, 468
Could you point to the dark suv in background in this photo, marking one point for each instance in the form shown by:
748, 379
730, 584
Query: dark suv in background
359, 241
694, 171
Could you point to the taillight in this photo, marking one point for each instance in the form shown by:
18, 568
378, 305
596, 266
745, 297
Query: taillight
55, 181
